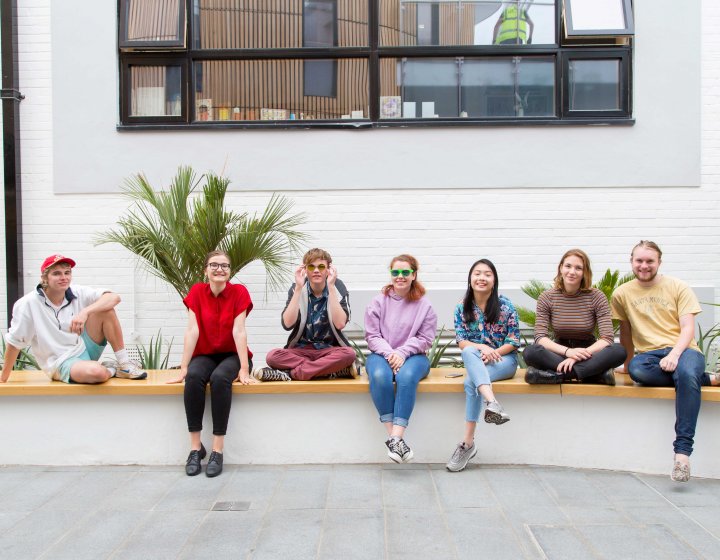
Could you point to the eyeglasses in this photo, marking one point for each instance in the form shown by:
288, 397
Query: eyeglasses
395, 272
312, 267
222, 266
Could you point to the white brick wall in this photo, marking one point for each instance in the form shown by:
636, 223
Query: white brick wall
523, 231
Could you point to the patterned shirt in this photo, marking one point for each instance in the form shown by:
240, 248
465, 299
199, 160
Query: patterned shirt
505, 331
317, 328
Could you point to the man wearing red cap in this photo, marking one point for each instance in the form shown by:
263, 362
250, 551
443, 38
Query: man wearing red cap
67, 327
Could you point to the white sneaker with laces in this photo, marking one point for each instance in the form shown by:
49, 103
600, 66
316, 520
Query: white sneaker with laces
130, 370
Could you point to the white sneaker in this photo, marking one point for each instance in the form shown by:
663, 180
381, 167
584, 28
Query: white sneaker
130, 370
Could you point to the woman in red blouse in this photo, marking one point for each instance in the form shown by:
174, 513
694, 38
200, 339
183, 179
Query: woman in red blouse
215, 351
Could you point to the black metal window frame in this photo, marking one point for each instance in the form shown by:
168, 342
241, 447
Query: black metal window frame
124, 42
373, 53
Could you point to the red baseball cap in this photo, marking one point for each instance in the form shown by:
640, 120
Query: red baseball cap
55, 259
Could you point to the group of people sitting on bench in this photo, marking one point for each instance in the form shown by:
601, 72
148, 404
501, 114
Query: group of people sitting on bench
68, 326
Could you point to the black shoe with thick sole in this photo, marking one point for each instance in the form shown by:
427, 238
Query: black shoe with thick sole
535, 376
192, 466
215, 464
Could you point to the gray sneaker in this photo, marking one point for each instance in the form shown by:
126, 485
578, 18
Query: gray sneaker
130, 370
461, 456
270, 374
495, 413
111, 366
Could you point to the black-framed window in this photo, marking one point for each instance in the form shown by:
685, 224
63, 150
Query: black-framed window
375, 63
151, 24
592, 18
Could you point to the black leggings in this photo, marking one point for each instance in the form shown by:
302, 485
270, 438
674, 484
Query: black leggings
220, 370
609, 357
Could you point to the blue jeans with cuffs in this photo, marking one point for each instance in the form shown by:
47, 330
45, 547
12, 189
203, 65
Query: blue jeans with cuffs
393, 405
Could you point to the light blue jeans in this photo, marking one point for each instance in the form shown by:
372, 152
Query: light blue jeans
479, 373
395, 406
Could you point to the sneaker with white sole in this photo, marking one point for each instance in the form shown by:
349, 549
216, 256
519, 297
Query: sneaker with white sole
111, 366
270, 374
461, 457
495, 413
130, 370
407, 453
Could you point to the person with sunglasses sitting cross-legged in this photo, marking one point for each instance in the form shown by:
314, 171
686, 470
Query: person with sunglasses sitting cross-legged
317, 309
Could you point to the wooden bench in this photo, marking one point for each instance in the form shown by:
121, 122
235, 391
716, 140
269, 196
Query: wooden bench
37, 383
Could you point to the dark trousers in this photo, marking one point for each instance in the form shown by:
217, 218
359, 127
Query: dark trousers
220, 370
609, 357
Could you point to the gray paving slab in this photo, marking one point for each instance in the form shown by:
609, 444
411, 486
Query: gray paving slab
382, 511
142, 491
417, 534
353, 534
302, 489
89, 492
95, 536
562, 543
483, 532
38, 490
468, 488
161, 535
409, 489
226, 534
355, 488
289, 533
256, 486
35, 533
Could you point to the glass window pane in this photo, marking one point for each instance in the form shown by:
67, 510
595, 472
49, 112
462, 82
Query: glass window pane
453, 22
155, 91
593, 16
253, 90
152, 23
508, 87
260, 24
426, 87
594, 85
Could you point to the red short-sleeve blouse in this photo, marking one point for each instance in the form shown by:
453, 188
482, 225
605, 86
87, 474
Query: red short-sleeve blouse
216, 315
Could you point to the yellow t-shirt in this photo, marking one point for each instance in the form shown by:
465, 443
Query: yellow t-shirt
654, 312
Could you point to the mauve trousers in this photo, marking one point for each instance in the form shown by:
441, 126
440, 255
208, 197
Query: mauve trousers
308, 362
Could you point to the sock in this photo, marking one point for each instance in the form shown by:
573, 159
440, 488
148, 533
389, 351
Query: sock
122, 356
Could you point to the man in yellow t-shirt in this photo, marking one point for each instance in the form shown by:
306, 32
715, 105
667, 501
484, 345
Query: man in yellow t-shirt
657, 318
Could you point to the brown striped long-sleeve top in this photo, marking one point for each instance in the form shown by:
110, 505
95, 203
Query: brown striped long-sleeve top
573, 316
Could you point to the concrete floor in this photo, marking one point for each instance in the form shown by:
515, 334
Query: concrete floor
346, 512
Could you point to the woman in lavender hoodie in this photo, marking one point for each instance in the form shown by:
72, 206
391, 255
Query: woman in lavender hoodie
400, 326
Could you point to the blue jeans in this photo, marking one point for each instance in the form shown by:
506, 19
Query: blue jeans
392, 406
479, 373
687, 379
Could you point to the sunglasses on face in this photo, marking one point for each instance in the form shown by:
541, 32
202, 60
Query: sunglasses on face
222, 266
312, 267
395, 272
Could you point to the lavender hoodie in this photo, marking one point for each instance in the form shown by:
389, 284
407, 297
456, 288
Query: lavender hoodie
393, 324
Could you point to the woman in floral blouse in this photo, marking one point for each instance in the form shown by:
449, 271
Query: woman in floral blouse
487, 331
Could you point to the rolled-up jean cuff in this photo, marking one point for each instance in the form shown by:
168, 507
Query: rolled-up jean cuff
386, 418
400, 422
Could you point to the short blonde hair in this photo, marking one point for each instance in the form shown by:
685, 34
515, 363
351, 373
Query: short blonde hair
586, 283
647, 245
314, 254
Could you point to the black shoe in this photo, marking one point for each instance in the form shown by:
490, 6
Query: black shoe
214, 466
607, 377
192, 466
535, 376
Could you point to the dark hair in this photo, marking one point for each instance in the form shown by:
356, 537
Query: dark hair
417, 290
492, 309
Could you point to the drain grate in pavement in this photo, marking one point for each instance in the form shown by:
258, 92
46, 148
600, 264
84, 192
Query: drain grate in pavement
231, 506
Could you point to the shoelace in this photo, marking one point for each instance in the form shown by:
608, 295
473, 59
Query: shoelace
459, 451
403, 447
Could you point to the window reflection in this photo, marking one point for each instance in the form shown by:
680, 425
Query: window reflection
470, 87
594, 85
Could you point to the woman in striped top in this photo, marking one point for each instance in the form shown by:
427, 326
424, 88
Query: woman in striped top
574, 311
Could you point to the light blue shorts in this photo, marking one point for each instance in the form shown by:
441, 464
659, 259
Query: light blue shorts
93, 351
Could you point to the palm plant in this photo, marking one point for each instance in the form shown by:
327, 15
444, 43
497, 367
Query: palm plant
25, 359
172, 231
437, 350
607, 285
